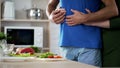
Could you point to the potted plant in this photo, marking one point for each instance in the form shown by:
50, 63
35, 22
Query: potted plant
3, 38
2, 42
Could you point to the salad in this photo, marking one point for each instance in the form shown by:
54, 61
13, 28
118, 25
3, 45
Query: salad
49, 55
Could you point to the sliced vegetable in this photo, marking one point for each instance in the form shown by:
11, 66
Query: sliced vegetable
36, 49
21, 55
57, 56
46, 55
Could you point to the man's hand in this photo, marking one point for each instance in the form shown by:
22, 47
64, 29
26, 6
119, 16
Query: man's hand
57, 16
76, 18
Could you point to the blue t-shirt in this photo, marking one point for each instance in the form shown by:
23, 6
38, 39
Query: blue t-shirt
80, 35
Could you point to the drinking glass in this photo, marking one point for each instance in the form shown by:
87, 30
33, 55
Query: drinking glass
2, 46
7, 49
1, 51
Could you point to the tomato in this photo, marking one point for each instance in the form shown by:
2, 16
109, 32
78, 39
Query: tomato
57, 56
50, 56
27, 50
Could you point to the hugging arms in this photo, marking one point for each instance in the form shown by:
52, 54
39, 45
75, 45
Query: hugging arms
100, 17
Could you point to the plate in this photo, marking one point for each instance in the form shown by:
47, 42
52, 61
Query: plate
51, 59
17, 58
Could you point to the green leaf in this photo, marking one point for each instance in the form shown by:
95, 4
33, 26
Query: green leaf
0, 46
36, 49
2, 36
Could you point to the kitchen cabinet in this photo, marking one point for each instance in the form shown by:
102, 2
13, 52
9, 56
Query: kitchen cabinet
22, 20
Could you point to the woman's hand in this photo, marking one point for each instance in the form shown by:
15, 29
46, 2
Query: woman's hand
77, 18
57, 16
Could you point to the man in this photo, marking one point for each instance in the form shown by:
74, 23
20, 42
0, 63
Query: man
79, 42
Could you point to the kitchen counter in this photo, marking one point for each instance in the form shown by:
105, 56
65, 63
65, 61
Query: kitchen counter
44, 64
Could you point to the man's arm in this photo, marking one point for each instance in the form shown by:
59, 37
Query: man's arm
55, 15
51, 6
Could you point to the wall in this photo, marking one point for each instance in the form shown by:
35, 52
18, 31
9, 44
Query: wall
54, 38
54, 29
0, 15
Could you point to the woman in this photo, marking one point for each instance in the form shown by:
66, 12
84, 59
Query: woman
111, 42
111, 39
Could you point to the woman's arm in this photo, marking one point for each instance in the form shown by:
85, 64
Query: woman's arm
113, 23
102, 24
110, 10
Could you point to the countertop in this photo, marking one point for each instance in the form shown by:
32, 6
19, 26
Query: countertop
44, 64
